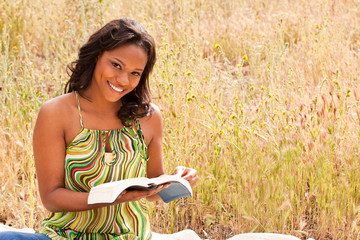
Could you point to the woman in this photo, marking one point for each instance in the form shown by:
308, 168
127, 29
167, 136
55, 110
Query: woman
94, 131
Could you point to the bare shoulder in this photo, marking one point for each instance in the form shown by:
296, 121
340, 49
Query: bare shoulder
154, 118
152, 125
58, 110
156, 115
58, 103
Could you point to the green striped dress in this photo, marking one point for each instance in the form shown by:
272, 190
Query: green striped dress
87, 165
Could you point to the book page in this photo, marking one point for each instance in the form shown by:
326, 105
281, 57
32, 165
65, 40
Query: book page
108, 192
170, 178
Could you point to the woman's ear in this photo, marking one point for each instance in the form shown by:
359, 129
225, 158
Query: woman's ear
99, 55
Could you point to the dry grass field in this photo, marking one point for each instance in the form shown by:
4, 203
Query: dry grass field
260, 96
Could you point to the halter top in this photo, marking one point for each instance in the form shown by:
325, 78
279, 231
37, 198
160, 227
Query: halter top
88, 165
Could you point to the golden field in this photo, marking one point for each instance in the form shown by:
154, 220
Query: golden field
261, 97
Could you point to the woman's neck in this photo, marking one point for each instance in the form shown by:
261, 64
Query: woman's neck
98, 104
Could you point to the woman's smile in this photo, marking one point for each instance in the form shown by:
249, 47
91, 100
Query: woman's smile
116, 89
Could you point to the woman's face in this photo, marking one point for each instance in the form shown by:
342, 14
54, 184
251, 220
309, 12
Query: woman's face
118, 71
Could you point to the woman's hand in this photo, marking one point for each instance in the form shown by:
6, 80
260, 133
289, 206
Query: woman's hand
188, 174
135, 195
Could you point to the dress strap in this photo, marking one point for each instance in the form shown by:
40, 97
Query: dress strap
138, 130
137, 126
141, 137
78, 105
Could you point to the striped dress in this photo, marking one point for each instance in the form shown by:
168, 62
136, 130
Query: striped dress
87, 165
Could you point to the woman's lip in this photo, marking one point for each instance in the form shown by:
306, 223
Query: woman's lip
119, 90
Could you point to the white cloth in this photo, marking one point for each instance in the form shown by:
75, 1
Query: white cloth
4, 228
191, 235
187, 235
182, 235
263, 236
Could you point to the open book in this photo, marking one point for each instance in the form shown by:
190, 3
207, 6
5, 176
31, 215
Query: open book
108, 192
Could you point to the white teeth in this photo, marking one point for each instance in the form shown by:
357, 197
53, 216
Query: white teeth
115, 88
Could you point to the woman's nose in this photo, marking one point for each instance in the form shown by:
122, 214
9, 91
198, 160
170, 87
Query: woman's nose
122, 78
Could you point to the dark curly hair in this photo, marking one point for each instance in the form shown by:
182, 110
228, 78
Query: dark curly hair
135, 104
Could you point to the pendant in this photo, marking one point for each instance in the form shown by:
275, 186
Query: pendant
108, 158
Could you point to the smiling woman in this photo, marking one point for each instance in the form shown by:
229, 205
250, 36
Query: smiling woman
105, 45
103, 129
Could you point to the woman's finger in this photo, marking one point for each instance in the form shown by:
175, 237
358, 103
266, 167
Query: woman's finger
179, 170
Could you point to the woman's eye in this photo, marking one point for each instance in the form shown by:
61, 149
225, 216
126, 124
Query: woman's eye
116, 65
136, 74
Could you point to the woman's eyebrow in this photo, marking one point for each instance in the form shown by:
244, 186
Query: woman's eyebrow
120, 61
137, 69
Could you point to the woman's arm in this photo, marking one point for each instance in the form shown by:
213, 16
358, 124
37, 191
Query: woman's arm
49, 154
153, 129
153, 133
